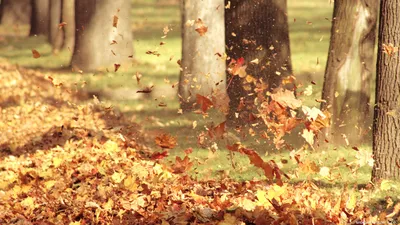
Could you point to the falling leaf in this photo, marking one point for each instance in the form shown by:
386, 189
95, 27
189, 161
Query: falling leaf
115, 21
286, 98
308, 91
182, 165
201, 28
159, 155
194, 125
116, 67
228, 6
324, 171
166, 141
308, 136
35, 54
254, 61
138, 76
146, 90
203, 102
61, 25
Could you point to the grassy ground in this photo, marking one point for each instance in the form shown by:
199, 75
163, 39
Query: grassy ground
309, 35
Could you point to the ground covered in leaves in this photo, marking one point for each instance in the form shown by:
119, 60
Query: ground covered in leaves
68, 162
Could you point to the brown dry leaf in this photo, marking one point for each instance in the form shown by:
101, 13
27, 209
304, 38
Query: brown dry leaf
116, 67
166, 141
286, 98
389, 49
35, 54
203, 102
182, 165
201, 28
115, 21
146, 90
61, 25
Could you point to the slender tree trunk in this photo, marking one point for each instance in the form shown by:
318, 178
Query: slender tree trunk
56, 35
97, 42
15, 12
68, 16
351, 52
203, 64
386, 130
256, 30
39, 17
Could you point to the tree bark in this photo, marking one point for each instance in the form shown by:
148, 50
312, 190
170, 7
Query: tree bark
95, 34
256, 29
15, 12
351, 52
68, 16
386, 130
203, 64
56, 35
39, 17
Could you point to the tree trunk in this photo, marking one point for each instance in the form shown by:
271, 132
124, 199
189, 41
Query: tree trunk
203, 64
56, 35
351, 52
15, 12
68, 16
39, 17
386, 130
97, 42
255, 29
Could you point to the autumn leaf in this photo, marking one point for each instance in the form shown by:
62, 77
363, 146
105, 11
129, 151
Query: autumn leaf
146, 90
308, 136
115, 21
61, 25
159, 155
35, 54
201, 28
238, 67
286, 98
166, 141
217, 131
116, 67
203, 102
182, 165
389, 49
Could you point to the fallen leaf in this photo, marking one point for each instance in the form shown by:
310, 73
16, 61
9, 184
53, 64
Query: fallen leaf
201, 28
166, 141
203, 102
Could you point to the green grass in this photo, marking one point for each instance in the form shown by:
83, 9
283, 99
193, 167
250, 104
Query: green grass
308, 42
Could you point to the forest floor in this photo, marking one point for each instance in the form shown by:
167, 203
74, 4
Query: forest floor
81, 147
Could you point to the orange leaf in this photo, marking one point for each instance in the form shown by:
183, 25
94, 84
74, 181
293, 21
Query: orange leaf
35, 54
159, 155
204, 102
166, 141
61, 25
286, 98
201, 28
217, 131
182, 165
115, 21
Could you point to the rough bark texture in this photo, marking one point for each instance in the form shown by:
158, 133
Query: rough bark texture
349, 69
15, 12
386, 138
39, 17
68, 16
56, 35
203, 64
256, 29
95, 34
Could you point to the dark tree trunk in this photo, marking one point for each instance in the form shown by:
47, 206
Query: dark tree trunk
39, 17
15, 12
351, 52
68, 16
56, 35
386, 131
203, 64
256, 29
95, 34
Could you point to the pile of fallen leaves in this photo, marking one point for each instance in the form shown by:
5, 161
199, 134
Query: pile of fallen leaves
68, 163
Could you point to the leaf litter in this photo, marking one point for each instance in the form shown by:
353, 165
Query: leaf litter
64, 162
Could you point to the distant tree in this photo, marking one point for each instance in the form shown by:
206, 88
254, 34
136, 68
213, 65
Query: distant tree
15, 12
203, 62
39, 17
349, 69
56, 35
68, 17
103, 34
386, 131
256, 30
